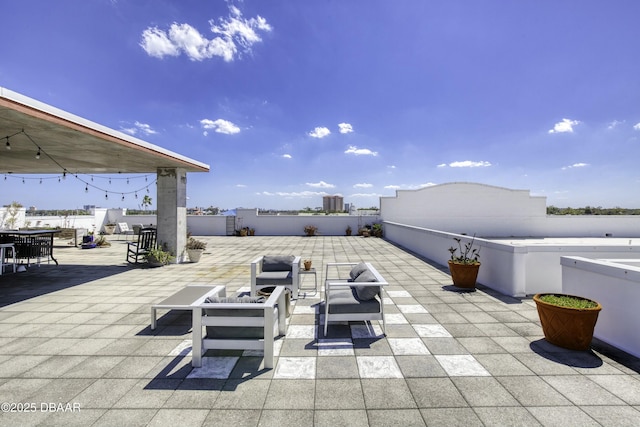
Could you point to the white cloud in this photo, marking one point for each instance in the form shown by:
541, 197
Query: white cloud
319, 132
220, 126
360, 151
139, 128
301, 194
363, 185
614, 124
564, 126
320, 184
392, 187
365, 195
241, 186
469, 164
636, 126
345, 128
235, 36
287, 156
576, 165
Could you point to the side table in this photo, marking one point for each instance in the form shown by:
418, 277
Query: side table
315, 278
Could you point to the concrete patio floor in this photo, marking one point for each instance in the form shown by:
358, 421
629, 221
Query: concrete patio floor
76, 349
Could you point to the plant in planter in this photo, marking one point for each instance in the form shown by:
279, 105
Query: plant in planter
307, 264
376, 230
195, 248
157, 257
310, 230
464, 266
110, 228
567, 321
101, 242
348, 231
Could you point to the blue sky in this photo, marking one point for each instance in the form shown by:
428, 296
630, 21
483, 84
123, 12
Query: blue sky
291, 100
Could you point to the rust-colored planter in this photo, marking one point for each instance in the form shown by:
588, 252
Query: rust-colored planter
464, 275
567, 327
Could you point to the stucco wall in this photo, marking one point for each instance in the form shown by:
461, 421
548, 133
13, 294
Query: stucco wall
488, 211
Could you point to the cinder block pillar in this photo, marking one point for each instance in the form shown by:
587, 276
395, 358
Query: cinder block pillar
172, 210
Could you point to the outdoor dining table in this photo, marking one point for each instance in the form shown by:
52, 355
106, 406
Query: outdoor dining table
31, 244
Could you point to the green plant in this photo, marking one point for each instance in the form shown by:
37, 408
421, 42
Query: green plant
468, 255
159, 255
310, 230
377, 230
101, 241
568, 301
195, 244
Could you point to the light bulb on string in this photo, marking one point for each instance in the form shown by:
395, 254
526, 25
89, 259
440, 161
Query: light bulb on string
106, 196
127, 181
109, 180
86, 188
38, 153
23, 180
123, 197
40, 180
136, 194
8, 145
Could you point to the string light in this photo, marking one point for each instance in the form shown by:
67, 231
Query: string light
41, 152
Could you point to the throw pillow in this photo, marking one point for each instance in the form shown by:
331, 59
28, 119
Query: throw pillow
366, 293
357, 270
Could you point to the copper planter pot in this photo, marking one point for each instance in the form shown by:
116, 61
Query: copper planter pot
464, 275
567, 327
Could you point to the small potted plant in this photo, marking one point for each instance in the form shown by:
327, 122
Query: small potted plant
376, 230
348, 231
464, 266
195, 248
157, 257
307, 264
310, 230
567, 321
109, 228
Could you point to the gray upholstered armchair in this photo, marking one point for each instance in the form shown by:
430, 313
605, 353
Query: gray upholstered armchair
238, 323
276, 270
353, 291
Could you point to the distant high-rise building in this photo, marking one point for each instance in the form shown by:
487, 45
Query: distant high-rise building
333, 203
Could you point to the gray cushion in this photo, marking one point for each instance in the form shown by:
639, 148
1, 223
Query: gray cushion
238, 300
346, 301
357, 270
366, 293
277, 262
233, 332
274, 278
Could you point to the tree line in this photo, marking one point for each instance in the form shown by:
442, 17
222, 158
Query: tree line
590, 210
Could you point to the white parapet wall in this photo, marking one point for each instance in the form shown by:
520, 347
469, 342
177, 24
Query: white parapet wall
515, 267
615, 284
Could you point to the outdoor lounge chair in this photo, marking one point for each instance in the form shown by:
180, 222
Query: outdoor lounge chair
354, 296
136, 251
124, 230
238, 323
276, 270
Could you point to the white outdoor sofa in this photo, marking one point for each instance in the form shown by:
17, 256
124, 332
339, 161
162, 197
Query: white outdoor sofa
353, 291
238, 323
